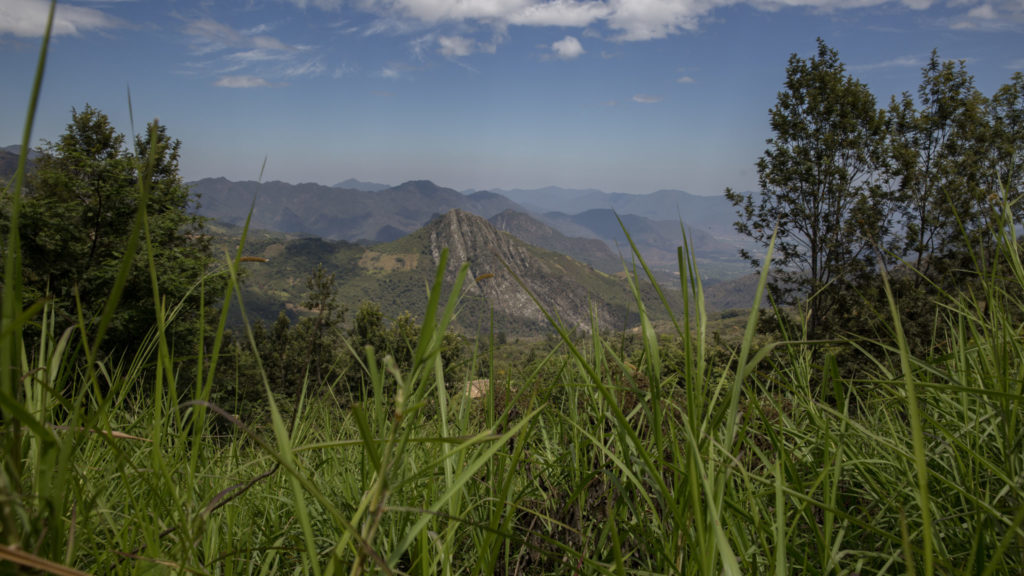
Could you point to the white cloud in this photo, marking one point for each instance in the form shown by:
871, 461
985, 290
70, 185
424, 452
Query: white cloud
257, 55
685, 80
329, 5
564, 13
901, 62
27, 19
241, 82
344, 70
389, 73
983, 12
650, 19
646, 99
252, 54
311, 68
991, 15
629, 20
456, 45
568, 48
209, 36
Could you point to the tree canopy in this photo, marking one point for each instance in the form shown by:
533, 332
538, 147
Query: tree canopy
850, 187
820, 186
78, 211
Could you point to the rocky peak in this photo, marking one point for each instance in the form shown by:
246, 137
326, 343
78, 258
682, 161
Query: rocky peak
495, 260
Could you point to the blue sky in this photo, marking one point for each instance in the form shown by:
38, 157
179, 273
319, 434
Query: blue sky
621, 95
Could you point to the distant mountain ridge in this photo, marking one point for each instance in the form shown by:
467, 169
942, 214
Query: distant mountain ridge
338, 213
353, 184
655, 239
714, 214
9, 160
386, 215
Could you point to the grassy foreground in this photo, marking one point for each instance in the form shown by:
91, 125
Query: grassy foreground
585, 463
773, 463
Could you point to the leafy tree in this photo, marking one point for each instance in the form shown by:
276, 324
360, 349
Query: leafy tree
322, 298
78, 211
822, 184
940, 151
398, 339
1006, 116
368, 329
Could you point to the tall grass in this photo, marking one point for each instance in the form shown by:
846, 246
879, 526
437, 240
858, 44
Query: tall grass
591, 461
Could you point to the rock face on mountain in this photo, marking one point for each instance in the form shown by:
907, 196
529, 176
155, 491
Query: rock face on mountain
565, 287
393, 275
590, 251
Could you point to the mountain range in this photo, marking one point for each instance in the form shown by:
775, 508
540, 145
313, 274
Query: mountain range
712, 214
383, 243
338, 213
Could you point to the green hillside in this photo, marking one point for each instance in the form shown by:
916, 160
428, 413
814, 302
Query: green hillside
395, 275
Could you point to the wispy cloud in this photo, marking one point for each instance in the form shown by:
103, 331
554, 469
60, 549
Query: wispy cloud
626, 20
27, 19
208, 36
345, 69
456, 45
568, 48
685, 80
390, 73
258, 54
901, 62
646, 99
991, 15
310, 68
241, 82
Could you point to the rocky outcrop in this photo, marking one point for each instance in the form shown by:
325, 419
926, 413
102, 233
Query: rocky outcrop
496, 259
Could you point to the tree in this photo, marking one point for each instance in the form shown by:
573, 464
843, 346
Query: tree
822, 185
322, 299
398, 340
940, 151
78, 211
1006, 116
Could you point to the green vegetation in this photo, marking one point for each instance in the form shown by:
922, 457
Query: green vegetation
82, 191
851, 188
671, 457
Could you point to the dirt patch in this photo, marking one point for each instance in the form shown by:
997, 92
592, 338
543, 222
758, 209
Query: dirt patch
380, 262
273, 251
477, 388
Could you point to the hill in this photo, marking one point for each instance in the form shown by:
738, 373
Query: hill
590, 251
394, 275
